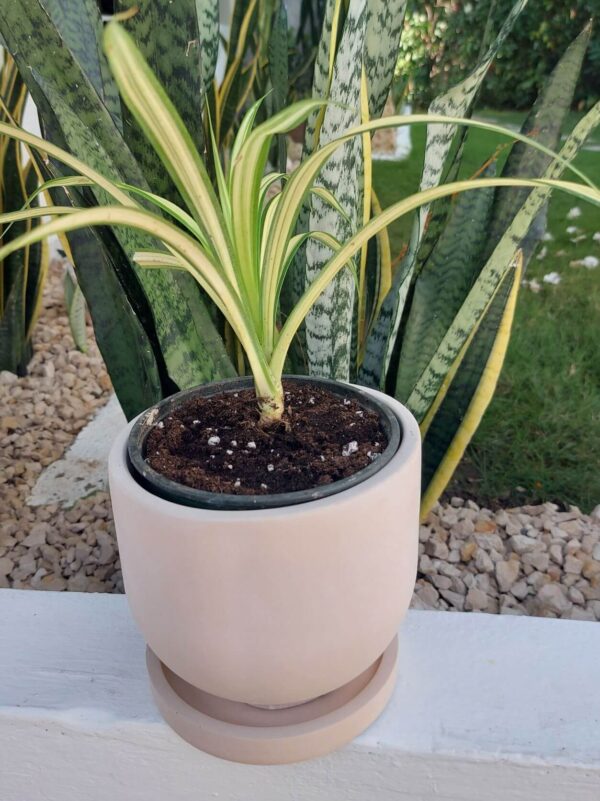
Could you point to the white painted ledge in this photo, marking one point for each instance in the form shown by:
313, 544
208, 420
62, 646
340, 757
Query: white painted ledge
487, 708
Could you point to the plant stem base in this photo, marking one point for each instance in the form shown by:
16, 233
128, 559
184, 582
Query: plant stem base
244, 733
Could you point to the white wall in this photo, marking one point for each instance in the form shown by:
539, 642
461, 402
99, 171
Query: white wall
487, 708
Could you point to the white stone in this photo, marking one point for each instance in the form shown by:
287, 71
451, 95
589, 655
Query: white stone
556, 553
476, 600
552, 597
522, 544
37, 535
6, 565
573, 565
506, 574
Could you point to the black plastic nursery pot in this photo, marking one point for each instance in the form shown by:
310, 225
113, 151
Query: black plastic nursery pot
173, 491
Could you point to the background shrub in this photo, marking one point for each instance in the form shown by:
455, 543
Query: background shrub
442, 40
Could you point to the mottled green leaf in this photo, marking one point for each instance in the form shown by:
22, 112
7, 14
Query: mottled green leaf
278, 74
456, 102
329, 322
383, 30
75, 303
443, 284
544, 123
80, 25
461, 392
491, 275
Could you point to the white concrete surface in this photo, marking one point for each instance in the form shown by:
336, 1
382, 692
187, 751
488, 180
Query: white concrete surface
83, 469
487, 708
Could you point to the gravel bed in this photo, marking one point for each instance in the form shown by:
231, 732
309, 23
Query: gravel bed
534, 560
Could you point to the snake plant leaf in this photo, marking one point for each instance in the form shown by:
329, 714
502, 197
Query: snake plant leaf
14, 351
370, 38
329, 322
80, 26
443, 283
21, 273
456, 102
469, 393
239, 74
382, 39
168, 37
75, 303
544, 123
491, 275
428, 224
324, 63
278, 74
207, 12
124, 332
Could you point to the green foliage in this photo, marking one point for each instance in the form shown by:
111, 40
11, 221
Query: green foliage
441, 39
158, 203
21, 274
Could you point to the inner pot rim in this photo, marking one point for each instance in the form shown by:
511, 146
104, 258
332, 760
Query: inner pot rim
172, 491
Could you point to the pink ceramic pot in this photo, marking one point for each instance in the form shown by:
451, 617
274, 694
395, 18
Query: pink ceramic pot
273, 606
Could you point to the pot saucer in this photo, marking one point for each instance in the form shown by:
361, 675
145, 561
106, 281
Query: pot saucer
261, 736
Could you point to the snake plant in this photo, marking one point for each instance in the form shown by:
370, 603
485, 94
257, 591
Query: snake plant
236, 242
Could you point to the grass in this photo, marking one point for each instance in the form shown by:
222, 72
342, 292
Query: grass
540, 437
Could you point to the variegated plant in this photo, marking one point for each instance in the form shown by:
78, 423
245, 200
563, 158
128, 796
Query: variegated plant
236, 242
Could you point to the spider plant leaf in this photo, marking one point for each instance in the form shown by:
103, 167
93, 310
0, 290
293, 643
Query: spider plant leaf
246, 175
199, 264
297, 188
428, 383
75, 303
168, 35
164, 128
174, 211
158, 258
469, 392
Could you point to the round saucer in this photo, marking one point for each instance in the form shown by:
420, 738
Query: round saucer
266, 736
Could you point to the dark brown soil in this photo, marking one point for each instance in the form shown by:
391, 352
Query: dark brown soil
216, 444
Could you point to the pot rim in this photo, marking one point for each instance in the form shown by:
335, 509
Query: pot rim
174, 492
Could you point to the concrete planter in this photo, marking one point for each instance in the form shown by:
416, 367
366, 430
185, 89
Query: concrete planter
271, 632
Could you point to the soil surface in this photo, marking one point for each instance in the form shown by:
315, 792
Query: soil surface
218, 444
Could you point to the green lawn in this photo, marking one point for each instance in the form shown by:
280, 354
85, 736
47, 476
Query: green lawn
540, 438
